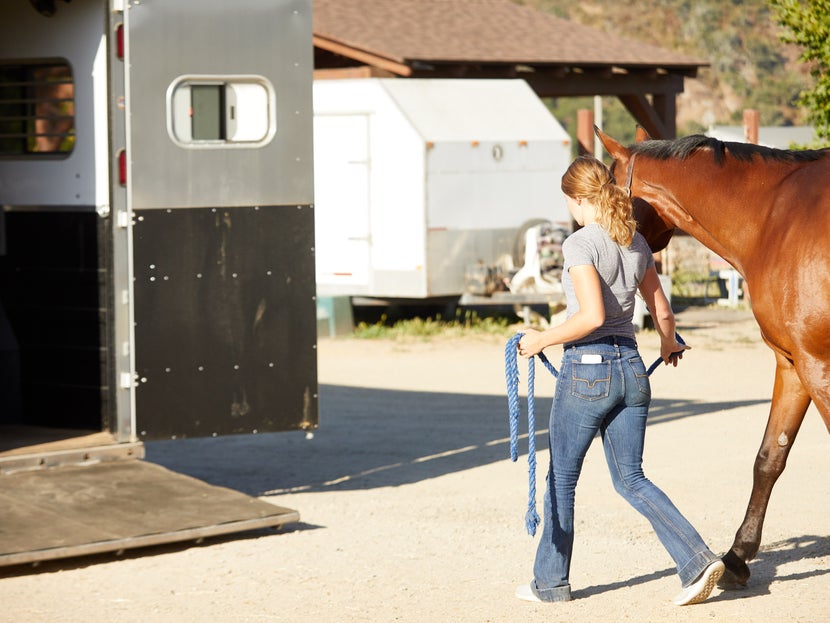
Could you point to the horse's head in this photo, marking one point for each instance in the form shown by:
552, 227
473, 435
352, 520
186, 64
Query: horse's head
650, 224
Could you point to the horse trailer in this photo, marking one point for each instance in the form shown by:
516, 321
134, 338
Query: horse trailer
156, 261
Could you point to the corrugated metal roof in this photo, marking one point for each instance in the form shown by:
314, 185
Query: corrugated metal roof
479, 31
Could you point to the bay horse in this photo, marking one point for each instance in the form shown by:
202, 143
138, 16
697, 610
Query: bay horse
767, 212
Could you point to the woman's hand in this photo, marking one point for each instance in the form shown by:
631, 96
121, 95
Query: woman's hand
671, 351
531, 343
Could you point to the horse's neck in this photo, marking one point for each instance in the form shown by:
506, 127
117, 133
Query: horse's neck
710, 207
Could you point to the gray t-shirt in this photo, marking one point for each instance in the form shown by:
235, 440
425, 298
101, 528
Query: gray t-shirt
621, 269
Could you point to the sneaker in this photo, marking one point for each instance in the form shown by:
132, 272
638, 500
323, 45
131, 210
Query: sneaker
700, 589
525, 592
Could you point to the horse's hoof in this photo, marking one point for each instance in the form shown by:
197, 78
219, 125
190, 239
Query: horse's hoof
736, 574
730, 582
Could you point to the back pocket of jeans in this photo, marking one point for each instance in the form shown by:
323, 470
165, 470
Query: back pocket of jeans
591, 381
639, 370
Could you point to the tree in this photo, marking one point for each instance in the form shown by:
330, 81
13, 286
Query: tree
807, 24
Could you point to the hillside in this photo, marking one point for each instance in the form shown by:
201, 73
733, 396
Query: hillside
749, 65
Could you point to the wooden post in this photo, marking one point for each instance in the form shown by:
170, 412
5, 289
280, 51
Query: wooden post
751, 119
585, 131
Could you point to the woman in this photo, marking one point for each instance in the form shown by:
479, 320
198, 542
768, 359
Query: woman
603, 385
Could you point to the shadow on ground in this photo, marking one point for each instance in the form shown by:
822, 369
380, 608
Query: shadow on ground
765, 569
375, 438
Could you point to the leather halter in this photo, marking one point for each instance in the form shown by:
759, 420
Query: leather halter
630, 174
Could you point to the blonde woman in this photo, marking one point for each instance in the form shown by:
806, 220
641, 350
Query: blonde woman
603, 386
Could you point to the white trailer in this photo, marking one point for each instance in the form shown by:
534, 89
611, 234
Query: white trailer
416, 180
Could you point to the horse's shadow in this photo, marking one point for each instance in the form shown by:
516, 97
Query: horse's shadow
764, 568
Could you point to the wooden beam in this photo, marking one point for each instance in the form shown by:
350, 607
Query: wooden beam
368, 58
360, 71
666, 109
650, 117
460, 70
588, 84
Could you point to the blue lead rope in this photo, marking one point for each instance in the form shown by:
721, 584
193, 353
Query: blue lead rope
511, 369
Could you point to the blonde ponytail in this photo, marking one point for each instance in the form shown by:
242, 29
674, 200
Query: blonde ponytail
615, 214
589, 178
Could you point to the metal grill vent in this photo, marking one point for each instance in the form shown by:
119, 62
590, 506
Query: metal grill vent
37, 109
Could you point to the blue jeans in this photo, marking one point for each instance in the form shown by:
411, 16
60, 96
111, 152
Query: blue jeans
611, 397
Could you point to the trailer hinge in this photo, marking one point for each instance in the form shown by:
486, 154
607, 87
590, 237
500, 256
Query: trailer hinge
117, 6
122, 219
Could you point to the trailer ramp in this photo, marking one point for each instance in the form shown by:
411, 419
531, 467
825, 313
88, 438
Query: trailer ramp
79, 510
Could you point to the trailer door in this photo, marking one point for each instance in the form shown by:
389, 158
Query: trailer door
219, 187
341, 148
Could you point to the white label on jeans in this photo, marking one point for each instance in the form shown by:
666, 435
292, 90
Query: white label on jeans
591, 358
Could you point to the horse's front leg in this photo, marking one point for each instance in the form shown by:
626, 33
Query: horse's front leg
789, 404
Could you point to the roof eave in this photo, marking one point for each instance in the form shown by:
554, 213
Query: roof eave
395, 65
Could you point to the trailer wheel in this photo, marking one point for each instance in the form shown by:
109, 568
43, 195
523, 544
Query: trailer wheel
519, 244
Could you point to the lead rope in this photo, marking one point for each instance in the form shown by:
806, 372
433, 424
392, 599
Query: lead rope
511, 370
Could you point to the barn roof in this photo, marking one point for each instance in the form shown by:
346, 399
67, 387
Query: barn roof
499, 39
480, 31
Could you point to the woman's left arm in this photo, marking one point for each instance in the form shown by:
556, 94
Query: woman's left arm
589, 317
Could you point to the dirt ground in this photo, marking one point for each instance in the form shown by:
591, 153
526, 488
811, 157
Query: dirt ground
412, 511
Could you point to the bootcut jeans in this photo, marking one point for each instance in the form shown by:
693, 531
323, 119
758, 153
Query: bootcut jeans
611, 397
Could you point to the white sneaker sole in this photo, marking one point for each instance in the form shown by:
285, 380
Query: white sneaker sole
700, 590
525, 593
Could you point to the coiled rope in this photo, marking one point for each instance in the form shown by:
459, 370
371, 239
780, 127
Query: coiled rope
511, 369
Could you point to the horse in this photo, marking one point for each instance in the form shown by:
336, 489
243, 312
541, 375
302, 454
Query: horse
767, 212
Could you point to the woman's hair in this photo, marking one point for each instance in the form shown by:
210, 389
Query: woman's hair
588, 178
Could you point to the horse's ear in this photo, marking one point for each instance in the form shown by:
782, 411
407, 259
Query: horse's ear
614, 148
641, 135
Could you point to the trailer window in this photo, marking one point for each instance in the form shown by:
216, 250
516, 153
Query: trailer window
216, 112
37, 109
207, 119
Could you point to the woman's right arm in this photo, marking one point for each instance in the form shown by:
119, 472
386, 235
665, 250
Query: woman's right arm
662, 315
589, 317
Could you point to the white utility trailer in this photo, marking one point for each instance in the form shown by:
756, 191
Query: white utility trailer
417, 180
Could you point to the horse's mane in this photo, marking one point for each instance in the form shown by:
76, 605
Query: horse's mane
682, 148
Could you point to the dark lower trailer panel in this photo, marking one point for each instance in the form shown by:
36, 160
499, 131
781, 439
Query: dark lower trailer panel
225, 321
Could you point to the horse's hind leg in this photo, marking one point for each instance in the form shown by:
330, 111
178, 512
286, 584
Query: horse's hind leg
789, 404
